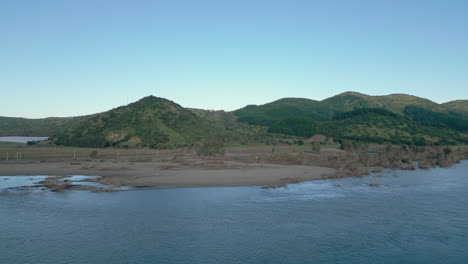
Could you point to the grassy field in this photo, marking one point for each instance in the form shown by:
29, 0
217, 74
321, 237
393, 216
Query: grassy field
18, 151
4, 144
15, 152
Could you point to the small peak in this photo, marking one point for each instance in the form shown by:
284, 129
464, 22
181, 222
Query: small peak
149, 97
351, 93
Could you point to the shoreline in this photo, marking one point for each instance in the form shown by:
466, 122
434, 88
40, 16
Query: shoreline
252, 176
147, 175
263, 167
142, 183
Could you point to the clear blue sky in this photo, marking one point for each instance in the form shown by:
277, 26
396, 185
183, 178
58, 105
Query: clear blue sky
67, 58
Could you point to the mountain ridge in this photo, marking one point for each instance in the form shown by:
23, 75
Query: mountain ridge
158, 122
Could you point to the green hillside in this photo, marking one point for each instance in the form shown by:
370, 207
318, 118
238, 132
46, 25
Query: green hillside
158, 122
457, 106
280, 110
380, 126
453, 120
419, 117
394, 102
151, 121
233, 131
45, 127
328, 108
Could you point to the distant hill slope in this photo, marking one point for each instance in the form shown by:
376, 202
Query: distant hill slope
233, 131
459, 106
380, 126
328, 108
279, 115
158, 122
151, 121
45, 127
338, 104
394, 102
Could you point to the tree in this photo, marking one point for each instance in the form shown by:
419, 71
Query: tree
447, 151
316, 147
388, 147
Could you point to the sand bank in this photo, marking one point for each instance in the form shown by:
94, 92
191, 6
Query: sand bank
164, 174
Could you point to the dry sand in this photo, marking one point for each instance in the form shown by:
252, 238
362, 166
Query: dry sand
199, 173
243, 166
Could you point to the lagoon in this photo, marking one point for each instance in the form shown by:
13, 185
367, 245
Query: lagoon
21, 139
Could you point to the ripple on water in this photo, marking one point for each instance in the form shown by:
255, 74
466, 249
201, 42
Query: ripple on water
388, 182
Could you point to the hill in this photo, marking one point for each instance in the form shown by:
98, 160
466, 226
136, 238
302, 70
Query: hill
379, 126
45, 127
328, 108
457, 106
161, 123
151, 121
433, 119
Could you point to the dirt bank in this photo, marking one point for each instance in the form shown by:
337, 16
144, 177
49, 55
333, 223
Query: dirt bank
164, 174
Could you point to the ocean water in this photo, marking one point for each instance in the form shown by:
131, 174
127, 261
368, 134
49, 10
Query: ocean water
416, 216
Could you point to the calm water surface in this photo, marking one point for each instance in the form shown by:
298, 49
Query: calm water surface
22, 139
411, 217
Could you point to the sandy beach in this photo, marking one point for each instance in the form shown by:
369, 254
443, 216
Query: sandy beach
165, 174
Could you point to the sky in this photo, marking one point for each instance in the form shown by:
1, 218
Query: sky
70, 58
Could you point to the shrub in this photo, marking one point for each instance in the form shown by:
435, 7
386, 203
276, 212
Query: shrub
388, 147
316, 147
93, 154
211, 148
447, 151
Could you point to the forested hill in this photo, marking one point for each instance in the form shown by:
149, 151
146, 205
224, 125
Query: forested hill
151, 121
382, 126
338, 104
437, 123
158, 122
43, 127
457, 106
